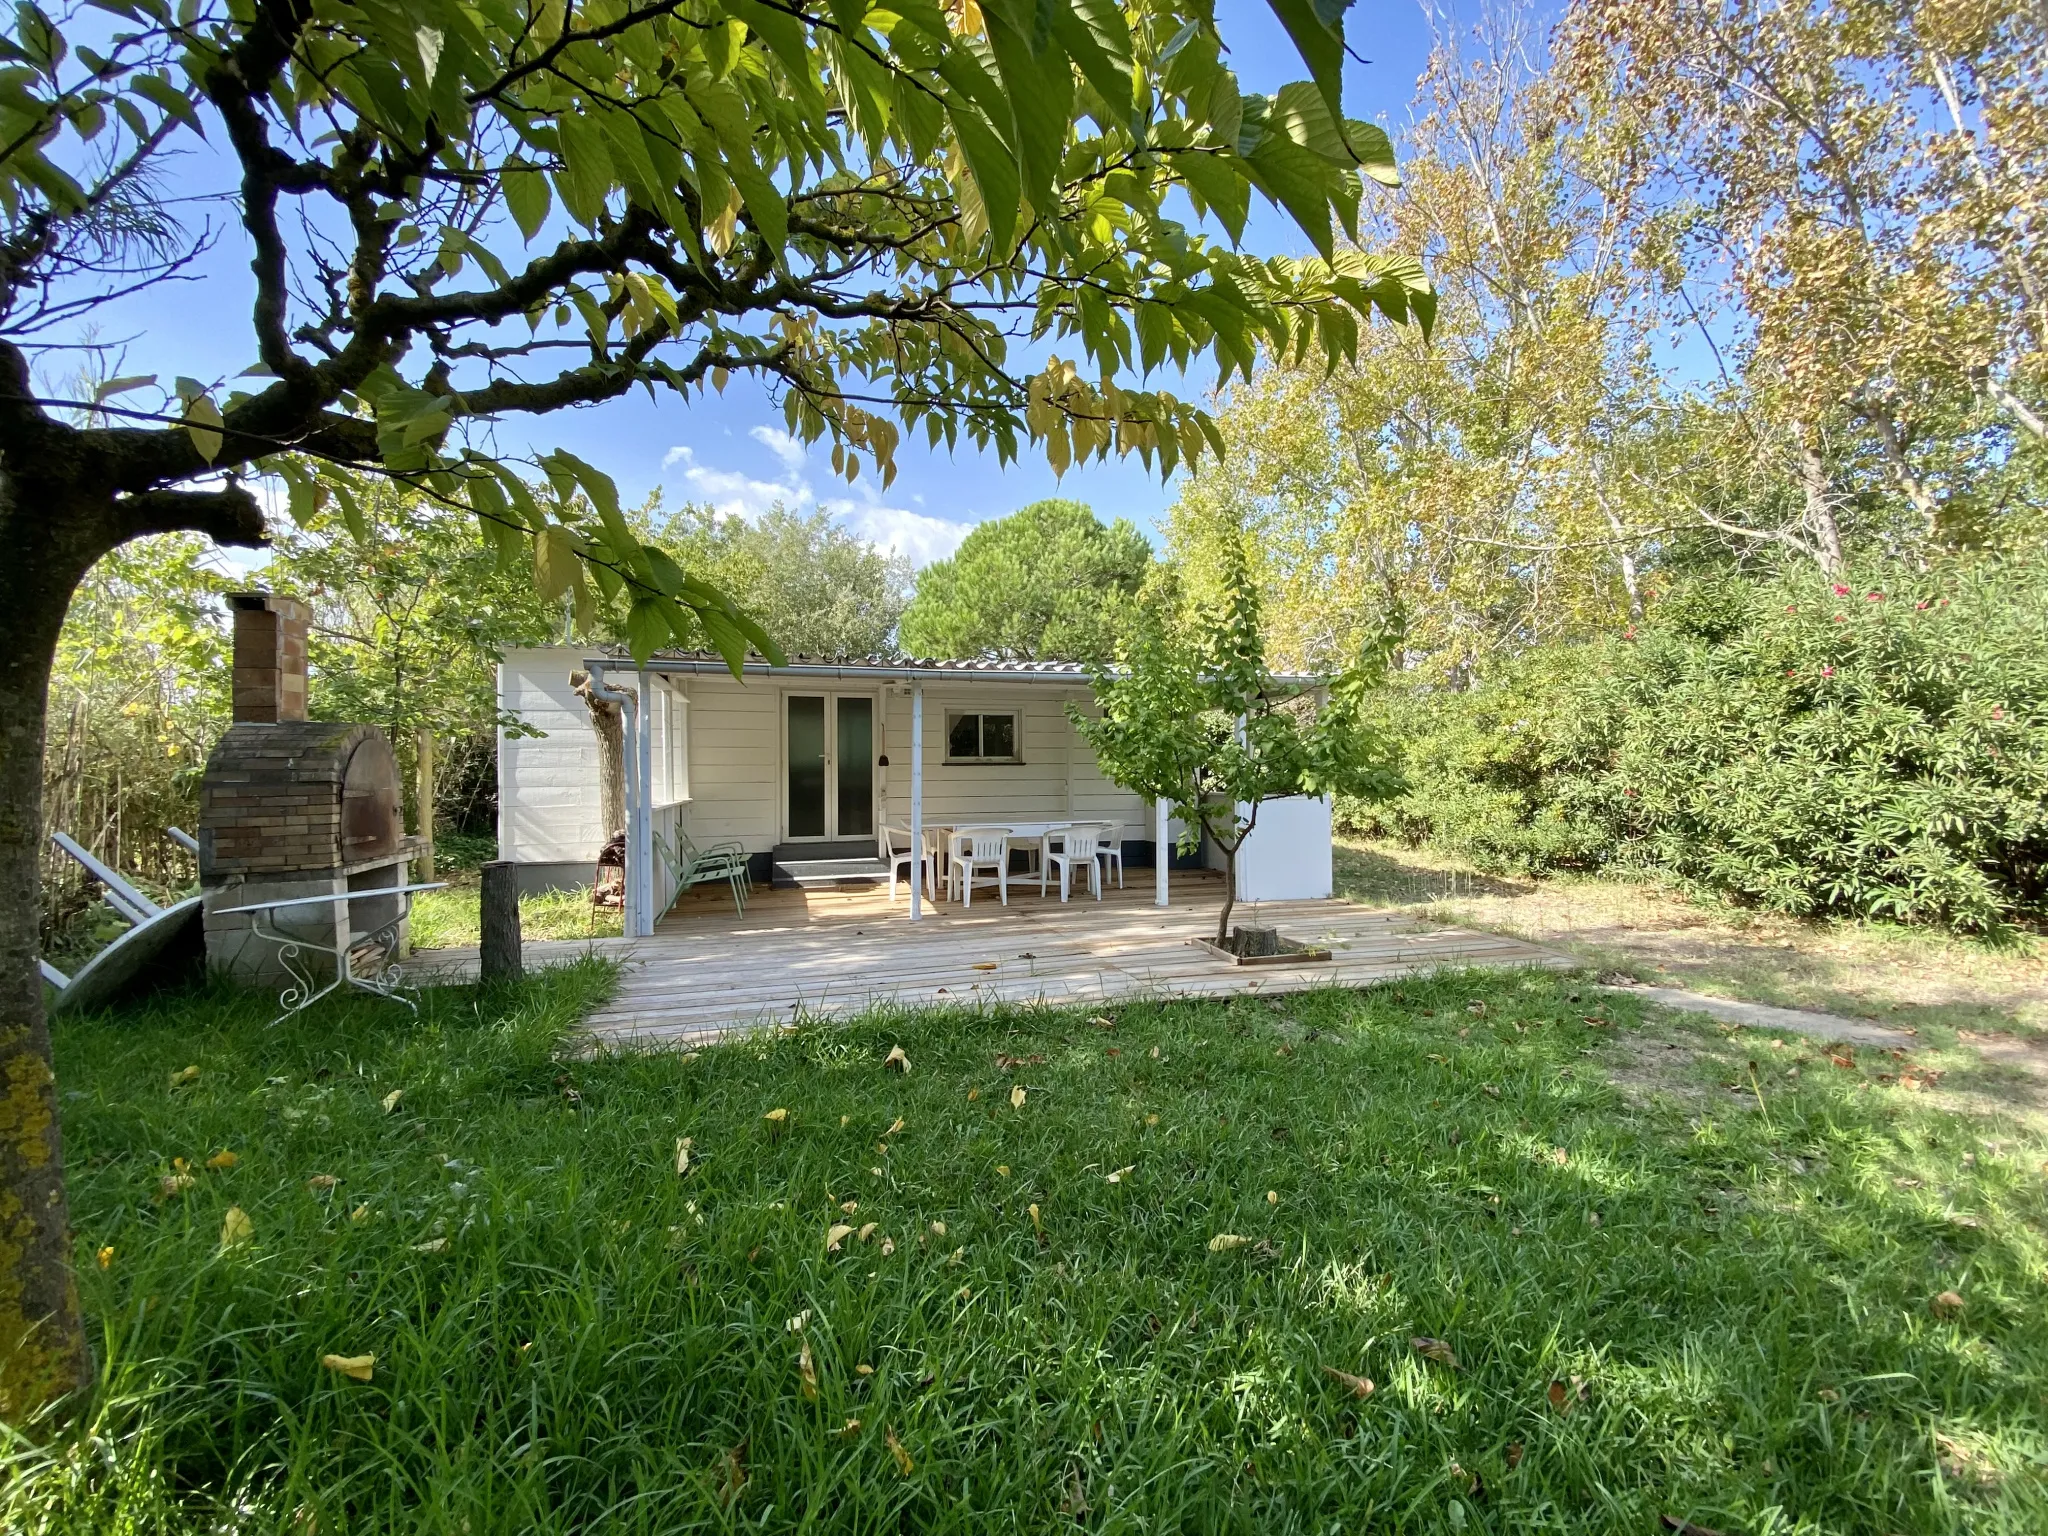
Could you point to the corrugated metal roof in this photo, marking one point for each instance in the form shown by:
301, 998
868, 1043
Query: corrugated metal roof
906, 668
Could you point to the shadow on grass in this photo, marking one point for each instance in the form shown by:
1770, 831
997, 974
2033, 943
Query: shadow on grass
1047, 1324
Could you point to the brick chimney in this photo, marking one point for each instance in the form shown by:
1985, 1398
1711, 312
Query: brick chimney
270, 657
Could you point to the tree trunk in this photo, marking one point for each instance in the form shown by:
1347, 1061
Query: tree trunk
607, 720
44, 1355
1229, 892
1824, 534
498, 958
423, 792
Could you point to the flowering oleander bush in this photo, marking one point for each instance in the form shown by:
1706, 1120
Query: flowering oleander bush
1874, 746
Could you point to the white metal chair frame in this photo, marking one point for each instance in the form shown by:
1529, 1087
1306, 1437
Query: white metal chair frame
1077, 847
972, 848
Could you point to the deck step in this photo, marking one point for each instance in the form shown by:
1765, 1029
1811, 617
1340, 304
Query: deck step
807, 872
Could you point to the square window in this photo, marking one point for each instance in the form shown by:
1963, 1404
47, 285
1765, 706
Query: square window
981, 738
963, 736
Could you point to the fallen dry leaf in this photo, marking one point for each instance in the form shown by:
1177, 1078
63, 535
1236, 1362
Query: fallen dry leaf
183, 1076
1559, 1156
798, 1323
222, 1161
236, 1228
807, 1373
1272, 1197
1560, 1399
354, 1367
777, 1118
849, 1206
863, 1369
973, 1094
735, 1473
1017, 1097
106, 1257
894, 1128
1032, 1211
1434, 1349
836, 1235
1514, 1454
1151, 1119
391, 1099
1003, 1169
1361, 1386
1947, 1304
321, 1181
849, 1429
983, 965
866, 1232
897, 1059
938, 1229
1223, 1242
1101, 1023
1154, 1053
431, 1245
683, 1145
888, 1246
171, 1185
904, 1464
1118, 1176
360, 1213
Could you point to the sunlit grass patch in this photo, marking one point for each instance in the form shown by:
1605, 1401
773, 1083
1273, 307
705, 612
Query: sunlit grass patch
450, 919
911, 1301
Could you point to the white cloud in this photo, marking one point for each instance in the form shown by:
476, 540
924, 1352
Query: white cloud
781, 444
918, 537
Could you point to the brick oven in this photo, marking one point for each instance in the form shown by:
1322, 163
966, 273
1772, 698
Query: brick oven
291, 807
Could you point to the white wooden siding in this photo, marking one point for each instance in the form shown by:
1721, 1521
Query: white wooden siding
548, 794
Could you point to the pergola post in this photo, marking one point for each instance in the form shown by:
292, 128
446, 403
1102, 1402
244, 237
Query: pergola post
1162, 856
917, 802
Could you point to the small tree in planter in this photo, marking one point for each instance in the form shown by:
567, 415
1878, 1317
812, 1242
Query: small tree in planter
1193, 716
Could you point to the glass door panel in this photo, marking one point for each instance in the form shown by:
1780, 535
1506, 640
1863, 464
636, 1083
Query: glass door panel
855, 762
806, 754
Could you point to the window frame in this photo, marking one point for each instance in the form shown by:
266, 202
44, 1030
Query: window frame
1013, 713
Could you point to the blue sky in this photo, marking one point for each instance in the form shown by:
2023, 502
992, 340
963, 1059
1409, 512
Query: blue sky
729, 451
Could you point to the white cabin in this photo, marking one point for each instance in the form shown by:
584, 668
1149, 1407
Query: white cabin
804, 764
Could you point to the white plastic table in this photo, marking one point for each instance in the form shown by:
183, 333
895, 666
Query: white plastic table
384, 981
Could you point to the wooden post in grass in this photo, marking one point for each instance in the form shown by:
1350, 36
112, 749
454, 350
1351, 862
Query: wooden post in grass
499, 959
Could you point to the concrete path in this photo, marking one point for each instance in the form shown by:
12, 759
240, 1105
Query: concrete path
1821, 1026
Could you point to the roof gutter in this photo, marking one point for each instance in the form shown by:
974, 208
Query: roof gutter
694, 666
691, 665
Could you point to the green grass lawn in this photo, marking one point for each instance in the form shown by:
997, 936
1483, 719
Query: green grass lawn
452, 919
1674, 1304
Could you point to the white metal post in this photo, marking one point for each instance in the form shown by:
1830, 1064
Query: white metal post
917, 802
1162, 856
644, 850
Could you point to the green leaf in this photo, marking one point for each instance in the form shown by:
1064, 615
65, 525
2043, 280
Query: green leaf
588, 176
121, 386
203, 423
1300, 182
526, 196
647, 627
1317, 27
1218, 181
995, 174
1039, 87
1098, 39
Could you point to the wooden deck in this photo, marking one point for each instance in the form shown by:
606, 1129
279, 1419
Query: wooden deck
707, 971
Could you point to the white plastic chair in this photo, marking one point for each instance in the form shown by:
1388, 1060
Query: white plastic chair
1079, 847
904, 856
973, 848
1110, 849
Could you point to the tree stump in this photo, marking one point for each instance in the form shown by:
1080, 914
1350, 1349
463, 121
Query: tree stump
500, 959
1255, 941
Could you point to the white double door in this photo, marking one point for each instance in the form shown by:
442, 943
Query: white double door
828, 750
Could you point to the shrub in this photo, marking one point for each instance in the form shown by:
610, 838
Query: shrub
1876, 746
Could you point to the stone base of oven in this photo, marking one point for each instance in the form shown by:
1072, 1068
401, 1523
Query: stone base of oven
235, 950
